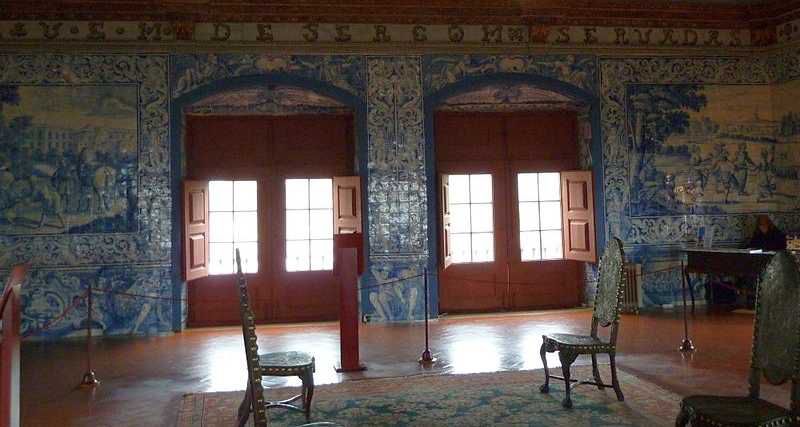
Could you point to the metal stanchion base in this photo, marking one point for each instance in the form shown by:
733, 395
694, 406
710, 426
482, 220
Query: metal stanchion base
426, 358
89, 380
686, 346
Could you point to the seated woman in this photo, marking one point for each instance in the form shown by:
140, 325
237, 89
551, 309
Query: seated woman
767, 237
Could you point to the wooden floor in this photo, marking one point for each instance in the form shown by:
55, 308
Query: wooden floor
143, 379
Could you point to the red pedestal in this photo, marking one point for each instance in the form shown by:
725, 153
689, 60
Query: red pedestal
349, 265
9, 348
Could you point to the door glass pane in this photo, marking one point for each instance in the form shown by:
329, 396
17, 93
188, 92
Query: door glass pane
482, 218
245, 226
530, 246
297, 225
297, 256
322, 254
550, 186
220, 258
551, 215
297, 194
321, 223
528, 216
249, 255
245, 196
480, 188
220, 226
528, 187
459, 219
220, 195
321, 193
482, 247
460, 247
459, 188
551, 245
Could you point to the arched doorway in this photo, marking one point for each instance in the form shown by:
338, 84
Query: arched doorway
259, 145
501, 149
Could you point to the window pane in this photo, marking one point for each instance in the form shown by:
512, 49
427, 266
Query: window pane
321, 224
551, 215
482, 218
528, 216
220, 258
529, 246
322, 254
249, 255
550, 186
220, 196
527, 187
459, 188
245, 196
482, 247
296, 194
480, 188
245, 227
220, 227
297, 225
459, 218
460, 248
297, 258
321, 193
551, 245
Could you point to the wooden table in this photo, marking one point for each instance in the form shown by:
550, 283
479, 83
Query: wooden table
725, 262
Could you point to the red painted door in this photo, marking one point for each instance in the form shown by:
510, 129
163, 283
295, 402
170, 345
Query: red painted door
467, 147
541, 143
309, 150
268, 150
506, 145
231, 148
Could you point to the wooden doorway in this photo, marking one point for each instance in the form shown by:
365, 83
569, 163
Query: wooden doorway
277, 170
501, 173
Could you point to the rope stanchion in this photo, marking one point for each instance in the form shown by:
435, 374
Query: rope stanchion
686, 344
89, 379
426, 358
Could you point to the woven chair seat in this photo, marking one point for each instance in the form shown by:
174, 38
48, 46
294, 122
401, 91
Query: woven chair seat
579, 343
735, 411
286, 363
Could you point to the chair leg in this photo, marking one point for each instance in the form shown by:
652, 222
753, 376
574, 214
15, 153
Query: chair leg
596, 372
244, 408
683, 418
614, 380
308, 393
566, 361
543, 352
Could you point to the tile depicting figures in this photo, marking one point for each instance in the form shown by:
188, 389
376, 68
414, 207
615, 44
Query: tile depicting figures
711, 149
68, 159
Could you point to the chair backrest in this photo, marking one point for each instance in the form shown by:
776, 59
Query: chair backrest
776, 334
610, 288
250, 349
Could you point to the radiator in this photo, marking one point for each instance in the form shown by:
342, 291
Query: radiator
632, 299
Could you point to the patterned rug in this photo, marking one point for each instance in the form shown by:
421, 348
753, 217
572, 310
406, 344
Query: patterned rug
501, 398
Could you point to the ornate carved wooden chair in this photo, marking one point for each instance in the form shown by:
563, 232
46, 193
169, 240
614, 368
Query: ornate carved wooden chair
776, 355
610, 289
281, 364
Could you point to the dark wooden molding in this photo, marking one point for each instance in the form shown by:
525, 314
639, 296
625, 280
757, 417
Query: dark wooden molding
544, 12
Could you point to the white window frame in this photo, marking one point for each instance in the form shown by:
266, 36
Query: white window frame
539, 229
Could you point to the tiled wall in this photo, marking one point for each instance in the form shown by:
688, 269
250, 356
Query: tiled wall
108, 212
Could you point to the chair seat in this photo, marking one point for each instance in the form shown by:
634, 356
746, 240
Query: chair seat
286, 363
579, 343
734, 411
